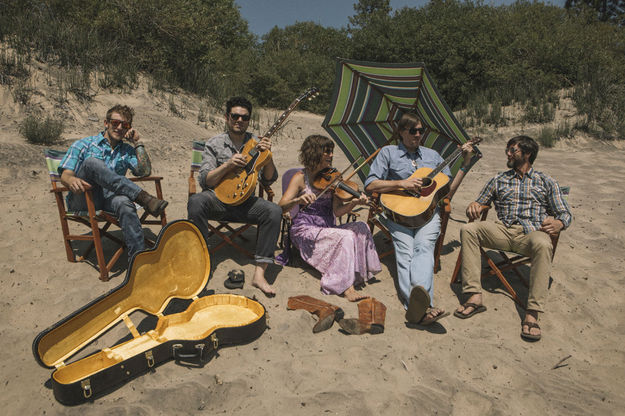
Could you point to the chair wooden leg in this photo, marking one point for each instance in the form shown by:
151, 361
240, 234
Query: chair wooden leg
502, 279
228, 240
454, 276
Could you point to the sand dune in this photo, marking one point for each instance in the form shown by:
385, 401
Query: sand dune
477, 366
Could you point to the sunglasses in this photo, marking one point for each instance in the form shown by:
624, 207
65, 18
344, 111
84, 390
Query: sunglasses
513, 150
115, 123
235, 117
415, 130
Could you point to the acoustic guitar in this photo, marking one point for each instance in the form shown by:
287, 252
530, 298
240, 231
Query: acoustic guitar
415, 209
238, 185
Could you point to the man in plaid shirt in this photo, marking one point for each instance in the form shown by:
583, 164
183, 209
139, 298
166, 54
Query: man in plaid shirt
530, 208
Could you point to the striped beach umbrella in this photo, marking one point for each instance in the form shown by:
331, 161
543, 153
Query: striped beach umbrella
369, 99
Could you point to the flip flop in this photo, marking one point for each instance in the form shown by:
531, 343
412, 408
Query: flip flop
235, 280
526, 335
476, 309
418, 304
430, 321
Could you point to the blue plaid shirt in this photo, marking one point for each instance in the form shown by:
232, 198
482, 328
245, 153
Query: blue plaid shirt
526, 200
119, 160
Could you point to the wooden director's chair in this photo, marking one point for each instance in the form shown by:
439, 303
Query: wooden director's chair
92, 218
508, 261
223, 227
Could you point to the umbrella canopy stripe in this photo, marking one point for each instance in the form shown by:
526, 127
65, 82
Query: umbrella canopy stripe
369, 99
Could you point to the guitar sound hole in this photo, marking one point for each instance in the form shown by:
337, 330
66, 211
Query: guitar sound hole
426, 182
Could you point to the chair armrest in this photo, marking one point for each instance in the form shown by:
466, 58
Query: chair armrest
265, 188
61, 189
147, 178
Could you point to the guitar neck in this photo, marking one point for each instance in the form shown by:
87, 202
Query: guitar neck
450, 159
286, 113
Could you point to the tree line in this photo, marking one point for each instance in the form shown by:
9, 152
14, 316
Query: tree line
480, 56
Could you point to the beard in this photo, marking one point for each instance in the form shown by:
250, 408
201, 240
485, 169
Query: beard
513, 163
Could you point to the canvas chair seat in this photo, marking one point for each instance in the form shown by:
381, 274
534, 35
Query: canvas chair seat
227, 233
508, 261
92, 218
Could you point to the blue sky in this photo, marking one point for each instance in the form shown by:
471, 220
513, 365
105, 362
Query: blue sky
263, 15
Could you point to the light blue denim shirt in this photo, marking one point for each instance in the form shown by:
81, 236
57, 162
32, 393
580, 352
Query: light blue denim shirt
394, 162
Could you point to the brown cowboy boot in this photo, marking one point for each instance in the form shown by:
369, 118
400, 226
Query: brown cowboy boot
371, 316
326, 312
152, 205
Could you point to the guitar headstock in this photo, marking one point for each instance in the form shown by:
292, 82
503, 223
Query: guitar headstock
309, 94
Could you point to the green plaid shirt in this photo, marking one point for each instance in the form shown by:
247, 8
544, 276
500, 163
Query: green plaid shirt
526, 200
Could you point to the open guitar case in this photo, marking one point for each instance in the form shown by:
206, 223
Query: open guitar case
177, 267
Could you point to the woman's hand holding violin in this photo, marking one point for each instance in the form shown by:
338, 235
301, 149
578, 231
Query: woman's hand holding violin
362, 200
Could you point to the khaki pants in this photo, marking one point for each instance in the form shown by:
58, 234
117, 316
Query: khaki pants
536, 245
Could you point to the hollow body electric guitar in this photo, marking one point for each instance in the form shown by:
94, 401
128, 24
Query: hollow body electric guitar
415, 209
238, 185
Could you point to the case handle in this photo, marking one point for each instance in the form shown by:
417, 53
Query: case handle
200, 352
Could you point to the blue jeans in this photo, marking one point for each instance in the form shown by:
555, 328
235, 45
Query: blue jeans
414, 255
113, 193
205, 206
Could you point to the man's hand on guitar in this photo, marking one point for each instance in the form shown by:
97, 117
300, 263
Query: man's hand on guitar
412, 184
264, 144
551, 226
474, 210
237, 161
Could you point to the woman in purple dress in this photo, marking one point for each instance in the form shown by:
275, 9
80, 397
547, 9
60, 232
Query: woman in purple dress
344, 254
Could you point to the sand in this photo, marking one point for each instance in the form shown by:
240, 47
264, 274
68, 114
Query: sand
460, 367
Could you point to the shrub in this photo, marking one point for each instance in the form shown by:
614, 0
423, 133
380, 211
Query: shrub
546, 136
38, 131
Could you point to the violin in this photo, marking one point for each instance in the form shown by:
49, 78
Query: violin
331, 179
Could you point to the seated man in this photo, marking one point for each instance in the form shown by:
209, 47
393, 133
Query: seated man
414, 247
222, 154
524, 200
102, 161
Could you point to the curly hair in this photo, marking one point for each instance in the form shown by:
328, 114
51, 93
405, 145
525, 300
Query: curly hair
406, 121
312, 150
238, 102
122, 110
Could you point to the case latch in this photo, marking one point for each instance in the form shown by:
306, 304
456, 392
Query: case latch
215, 341
150, 357
86, 388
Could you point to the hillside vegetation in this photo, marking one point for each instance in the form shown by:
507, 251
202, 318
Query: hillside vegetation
483, 58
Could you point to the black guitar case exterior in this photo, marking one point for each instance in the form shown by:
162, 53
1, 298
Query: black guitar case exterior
177, 267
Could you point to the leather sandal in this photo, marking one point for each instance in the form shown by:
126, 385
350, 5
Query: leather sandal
526, 335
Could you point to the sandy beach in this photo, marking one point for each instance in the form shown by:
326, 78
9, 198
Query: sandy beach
478, 366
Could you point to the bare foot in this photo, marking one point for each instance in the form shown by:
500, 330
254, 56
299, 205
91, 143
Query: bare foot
476, 299
260, 282
353, 296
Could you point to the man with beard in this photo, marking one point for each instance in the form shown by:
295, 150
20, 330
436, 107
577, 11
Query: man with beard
530, 208
222, 154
